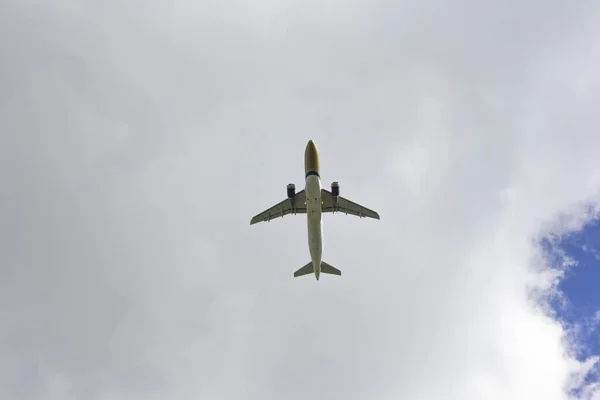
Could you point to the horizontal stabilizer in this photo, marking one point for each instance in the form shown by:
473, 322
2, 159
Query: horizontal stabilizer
328, 269
307, 269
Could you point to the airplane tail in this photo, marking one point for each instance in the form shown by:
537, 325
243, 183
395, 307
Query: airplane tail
329, 269
307, 269
325, 268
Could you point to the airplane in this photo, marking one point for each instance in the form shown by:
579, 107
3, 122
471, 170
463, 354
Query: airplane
313, 200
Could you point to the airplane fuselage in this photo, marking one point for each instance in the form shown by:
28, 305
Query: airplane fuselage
314, 222
313, 206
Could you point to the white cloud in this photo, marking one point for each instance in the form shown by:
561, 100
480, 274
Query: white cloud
139, 138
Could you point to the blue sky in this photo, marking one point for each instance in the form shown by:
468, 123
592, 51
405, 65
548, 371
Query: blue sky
579, 306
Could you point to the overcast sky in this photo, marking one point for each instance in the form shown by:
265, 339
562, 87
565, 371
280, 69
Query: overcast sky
138, 138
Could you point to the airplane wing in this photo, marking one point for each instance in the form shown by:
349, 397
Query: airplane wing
294, 205
339, 204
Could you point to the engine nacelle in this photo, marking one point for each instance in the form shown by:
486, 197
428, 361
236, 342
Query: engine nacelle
335, 189
291, 190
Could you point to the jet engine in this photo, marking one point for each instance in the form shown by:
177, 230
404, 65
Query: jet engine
291, 190
335, 189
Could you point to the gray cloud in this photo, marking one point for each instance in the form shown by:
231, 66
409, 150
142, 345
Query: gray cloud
138, 139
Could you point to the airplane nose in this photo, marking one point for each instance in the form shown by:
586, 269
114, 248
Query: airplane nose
311, 159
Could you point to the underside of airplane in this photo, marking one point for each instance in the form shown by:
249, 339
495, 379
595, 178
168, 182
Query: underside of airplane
313, 201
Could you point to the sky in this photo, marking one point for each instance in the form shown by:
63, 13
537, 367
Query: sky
577, 302
137, 139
